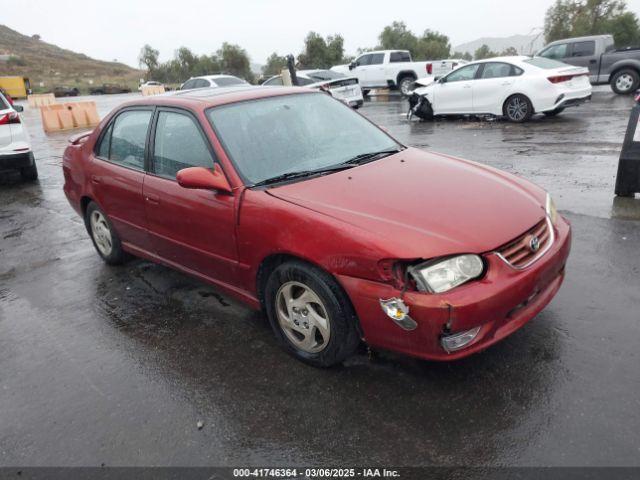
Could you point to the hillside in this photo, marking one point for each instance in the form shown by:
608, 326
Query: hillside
48, 65
525, 44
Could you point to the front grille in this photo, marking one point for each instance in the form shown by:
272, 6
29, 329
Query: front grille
526, 249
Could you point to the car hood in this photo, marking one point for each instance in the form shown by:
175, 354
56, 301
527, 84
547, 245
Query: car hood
422, 205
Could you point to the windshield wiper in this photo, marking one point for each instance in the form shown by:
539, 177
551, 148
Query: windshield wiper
301, 174
371, 156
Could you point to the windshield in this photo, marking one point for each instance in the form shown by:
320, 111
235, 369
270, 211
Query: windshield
290, 133
322, 75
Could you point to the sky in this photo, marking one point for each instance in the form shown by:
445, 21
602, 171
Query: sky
117, 29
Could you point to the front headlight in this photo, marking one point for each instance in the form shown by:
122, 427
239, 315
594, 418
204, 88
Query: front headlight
550, 207
443, 276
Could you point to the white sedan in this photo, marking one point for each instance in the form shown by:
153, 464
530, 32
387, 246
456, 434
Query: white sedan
513, 87
344, 88
15, 149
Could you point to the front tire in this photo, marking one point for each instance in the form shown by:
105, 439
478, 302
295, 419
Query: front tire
310, 314
517, 108
625, 81
104, 237
405, 84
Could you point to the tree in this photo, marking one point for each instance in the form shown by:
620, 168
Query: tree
573, 18
275, 64
148, 58
397, 37
235, 61
463, 56
484, 52
509, 52
321, 53
432, 46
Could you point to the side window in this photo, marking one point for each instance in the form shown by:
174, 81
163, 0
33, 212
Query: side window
302, 81
128, 138
583, 49
398, 57
105, 143
496, 70
178, 144
463, 74
274, 81
556, 51
189, 84
377, 59
364, 60
202, 83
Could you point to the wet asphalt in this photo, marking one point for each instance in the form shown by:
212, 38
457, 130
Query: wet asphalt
117, 365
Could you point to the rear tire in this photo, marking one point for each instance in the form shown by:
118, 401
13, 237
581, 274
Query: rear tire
517, 108
104, 237
311, 316
553, 113
625, 81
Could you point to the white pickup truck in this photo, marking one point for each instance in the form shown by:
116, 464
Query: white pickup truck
393, 69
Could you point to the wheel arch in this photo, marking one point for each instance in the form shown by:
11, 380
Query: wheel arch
511, 94
405, 73
272, 261
623, 65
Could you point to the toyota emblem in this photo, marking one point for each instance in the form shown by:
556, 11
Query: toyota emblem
534, 244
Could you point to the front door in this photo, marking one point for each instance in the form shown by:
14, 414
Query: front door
194, 229
453, 93
117, 174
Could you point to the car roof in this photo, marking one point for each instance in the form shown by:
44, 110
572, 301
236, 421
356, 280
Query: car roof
202, 98
213, 77
579, 39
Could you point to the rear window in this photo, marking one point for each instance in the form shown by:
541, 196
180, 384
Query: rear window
226, 81
397, 57
546, 63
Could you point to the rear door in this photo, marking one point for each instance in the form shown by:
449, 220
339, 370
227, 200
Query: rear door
494, 82
453, 93
583, 55
194, 229
117, 174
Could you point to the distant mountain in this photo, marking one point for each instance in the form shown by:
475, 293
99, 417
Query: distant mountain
51, 65
525, 44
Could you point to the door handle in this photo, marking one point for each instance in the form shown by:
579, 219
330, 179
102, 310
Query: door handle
506, 83
95, 179
152, 198
466, 86
593, 61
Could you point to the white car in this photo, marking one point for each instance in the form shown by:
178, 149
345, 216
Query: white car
208, 81
513, 87
150, 83
342, 87
15, 150
393, 69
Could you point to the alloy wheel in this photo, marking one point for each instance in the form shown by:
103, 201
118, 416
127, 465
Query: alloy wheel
101, 233
303, 317
517, 109
624, 82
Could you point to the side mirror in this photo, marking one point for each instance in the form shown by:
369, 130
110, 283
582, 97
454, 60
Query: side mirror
204, 179
18, 108
352, 65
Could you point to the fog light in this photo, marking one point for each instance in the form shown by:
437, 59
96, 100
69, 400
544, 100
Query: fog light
454, 342
398, 311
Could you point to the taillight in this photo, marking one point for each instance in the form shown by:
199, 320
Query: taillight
564, 78
429, 67
8, 118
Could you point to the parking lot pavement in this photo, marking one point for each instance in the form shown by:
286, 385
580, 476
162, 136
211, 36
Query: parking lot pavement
117, 365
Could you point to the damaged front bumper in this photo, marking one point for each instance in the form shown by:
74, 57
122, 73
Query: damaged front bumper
486, 310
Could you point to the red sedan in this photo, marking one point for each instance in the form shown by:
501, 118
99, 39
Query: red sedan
292, 202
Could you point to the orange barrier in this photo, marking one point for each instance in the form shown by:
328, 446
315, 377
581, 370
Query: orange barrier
66, 116
152, 90
40, 100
